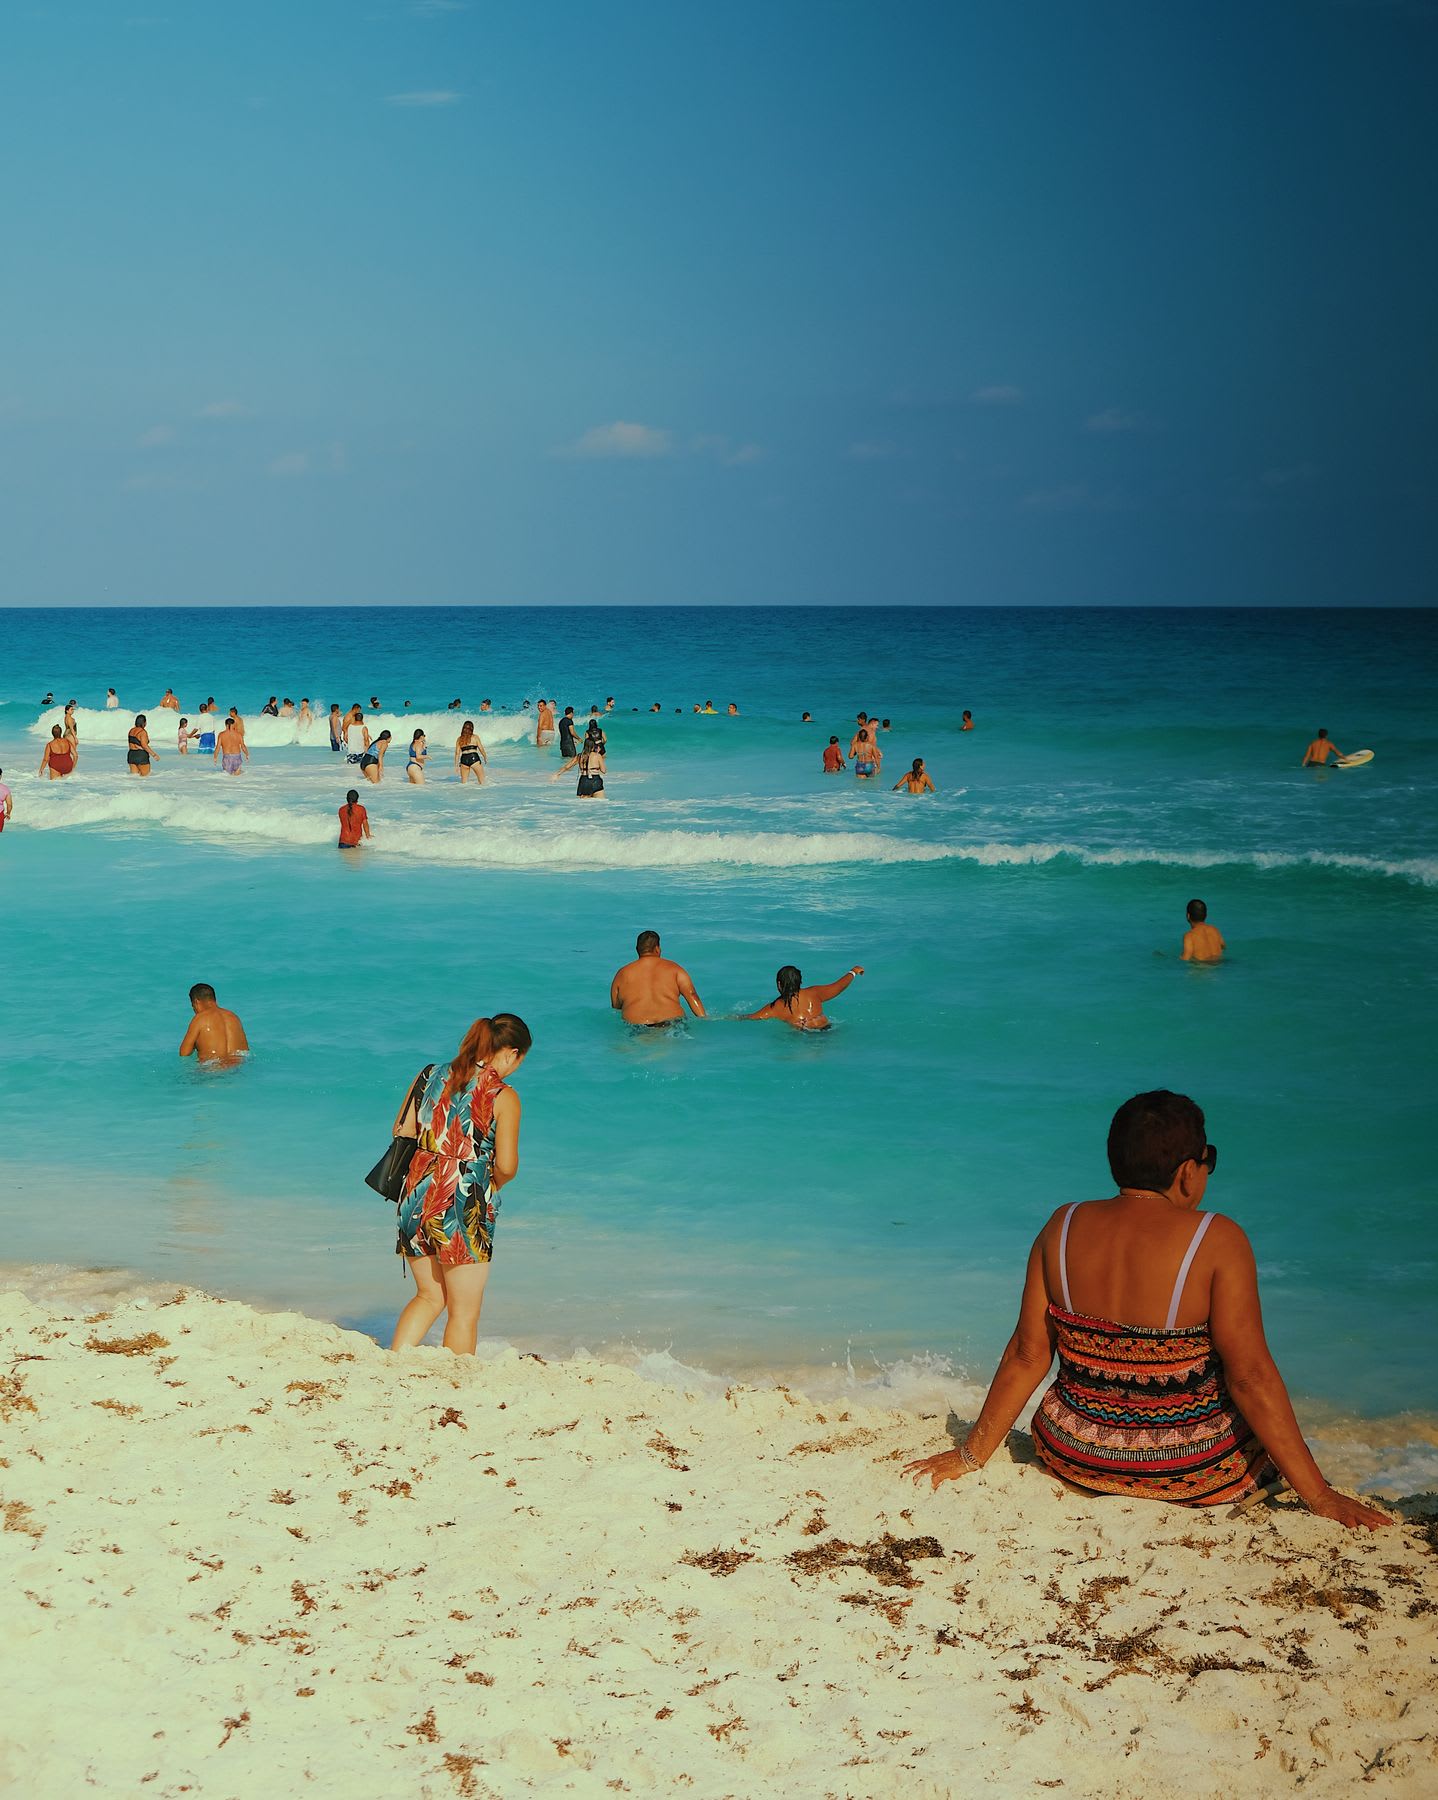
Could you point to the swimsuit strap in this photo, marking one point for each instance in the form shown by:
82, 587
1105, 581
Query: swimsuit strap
1184, 1266
1064, 1254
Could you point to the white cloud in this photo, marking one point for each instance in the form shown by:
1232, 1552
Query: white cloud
223, 409
425, 97
1112, 419
155, 436
293, 462
871, 450
624, 438
997, 396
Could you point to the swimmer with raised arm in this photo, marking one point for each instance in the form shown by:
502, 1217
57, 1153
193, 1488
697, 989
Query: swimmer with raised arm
648, 990
800, 1006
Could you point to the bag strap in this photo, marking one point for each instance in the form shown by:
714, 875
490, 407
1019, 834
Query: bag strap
412, 1099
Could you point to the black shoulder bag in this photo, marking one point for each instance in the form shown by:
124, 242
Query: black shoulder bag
387, 1177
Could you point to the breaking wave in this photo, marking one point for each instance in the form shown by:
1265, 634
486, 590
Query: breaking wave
533, 840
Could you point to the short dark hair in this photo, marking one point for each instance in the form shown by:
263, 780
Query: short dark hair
1323, 731
646, 941
833, 740
1197, 912
202, 991
1151, 1136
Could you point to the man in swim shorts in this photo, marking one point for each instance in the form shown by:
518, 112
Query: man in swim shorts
648, 990
231, 750
1319, 751
917, 780
544, 723
215, 1034
833, 757
1202, 941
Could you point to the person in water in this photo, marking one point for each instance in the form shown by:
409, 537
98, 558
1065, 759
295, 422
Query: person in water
168, 702
112, 700
648, 990
968, 721
1202, 941
371, 760
57, 759
304, 718
1166, 1389
231, 750
271, 708
1319, 751
336, 725
466, 1120
414, 767
833, 757
184, 736
867, 756
354, 822
800, 1006
917, 780
861, 728
137, 757
591, 768
70, 725
215, 1034
7, 802
544, 723
469, 755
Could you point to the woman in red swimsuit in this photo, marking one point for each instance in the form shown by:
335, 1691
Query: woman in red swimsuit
57, 759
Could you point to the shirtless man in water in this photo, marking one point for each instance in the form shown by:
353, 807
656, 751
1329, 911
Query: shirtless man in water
1319, 751
215, 1034
648, 990
1202, 942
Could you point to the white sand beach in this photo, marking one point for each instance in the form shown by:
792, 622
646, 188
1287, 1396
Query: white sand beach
250, 1553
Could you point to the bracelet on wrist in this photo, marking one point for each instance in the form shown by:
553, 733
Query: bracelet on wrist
968, 1459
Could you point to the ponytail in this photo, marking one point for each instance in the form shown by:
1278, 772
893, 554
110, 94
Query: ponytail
789, 981
505, 1031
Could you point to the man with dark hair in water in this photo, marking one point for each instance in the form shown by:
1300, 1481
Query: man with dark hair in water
215, 1034
1202, 942
1319, 751
648, 990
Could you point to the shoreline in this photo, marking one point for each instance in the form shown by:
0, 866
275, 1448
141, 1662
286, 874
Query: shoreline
1387, 1456
411, 1573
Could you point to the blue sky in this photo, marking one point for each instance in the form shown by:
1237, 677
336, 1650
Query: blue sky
323, 301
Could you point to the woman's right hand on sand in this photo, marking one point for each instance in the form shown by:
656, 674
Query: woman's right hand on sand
1330, 1504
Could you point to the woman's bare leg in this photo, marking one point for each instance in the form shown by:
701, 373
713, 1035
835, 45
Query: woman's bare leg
464, 1295
424, 1307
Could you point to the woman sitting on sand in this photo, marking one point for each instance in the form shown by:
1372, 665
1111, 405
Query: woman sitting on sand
467, 1123
800, 1006
469, 754
57, 759
1180, 1402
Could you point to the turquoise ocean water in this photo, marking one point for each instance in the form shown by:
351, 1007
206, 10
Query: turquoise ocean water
852, 1208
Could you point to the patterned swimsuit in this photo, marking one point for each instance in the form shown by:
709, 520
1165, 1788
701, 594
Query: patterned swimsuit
448, 1207
1143, 1409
